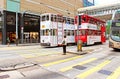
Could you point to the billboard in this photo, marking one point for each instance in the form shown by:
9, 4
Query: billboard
88, 3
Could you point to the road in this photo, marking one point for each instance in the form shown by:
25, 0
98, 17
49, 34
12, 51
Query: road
35, 62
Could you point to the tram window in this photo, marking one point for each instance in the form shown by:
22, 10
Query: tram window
68, 33
43, 18
64, 19
71, 32
72, 21
60, 19
80, 32
47, 32
65, 32
89, 32
42, 32
51, 17
83, 32
47, 17
55, 19
54, 32
68, 21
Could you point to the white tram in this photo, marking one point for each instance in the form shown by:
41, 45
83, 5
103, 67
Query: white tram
54, 27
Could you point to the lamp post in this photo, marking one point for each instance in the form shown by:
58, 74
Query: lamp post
16, 28
22, 26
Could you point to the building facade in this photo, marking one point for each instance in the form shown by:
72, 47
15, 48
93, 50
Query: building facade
27, 13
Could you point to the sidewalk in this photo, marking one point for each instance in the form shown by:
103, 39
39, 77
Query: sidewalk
13, 45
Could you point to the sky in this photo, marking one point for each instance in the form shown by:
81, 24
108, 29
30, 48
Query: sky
101, 2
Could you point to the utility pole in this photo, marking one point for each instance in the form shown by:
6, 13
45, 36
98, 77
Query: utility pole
22, 27
79, 42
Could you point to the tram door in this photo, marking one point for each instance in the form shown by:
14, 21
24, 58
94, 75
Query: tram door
60, 29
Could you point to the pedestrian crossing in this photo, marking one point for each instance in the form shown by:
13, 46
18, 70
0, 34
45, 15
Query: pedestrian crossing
61, 61
92, 70
87, 72
70, 67
115, 75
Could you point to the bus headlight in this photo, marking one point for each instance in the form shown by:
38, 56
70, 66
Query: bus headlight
111, 44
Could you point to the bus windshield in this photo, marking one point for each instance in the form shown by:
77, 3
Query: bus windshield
115, 35
117, 16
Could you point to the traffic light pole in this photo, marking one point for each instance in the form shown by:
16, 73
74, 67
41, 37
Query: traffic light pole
79, 42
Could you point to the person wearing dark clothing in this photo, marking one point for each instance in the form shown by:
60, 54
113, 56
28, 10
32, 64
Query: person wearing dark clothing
64, 43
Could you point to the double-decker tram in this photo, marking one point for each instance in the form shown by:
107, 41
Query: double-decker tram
54, 27
89, 30
114, 37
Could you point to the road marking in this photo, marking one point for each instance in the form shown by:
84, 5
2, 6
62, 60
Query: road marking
94, 69
27, 55
70, 67
61, 61
115, 74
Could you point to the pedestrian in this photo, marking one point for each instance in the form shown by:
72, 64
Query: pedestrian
64, 43
8, 41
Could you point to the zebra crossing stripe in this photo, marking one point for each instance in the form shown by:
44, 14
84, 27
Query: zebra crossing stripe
94, 69
115, 74
82, 63
61, 61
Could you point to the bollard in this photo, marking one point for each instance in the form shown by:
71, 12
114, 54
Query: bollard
79, 45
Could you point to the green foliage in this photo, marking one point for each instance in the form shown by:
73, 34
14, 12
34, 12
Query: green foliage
108, 25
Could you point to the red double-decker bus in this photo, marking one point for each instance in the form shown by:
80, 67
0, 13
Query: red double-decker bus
89, 30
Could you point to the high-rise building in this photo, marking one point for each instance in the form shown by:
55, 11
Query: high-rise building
65, 7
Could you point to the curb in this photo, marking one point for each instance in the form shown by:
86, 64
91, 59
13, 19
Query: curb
17, 66
78, 53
